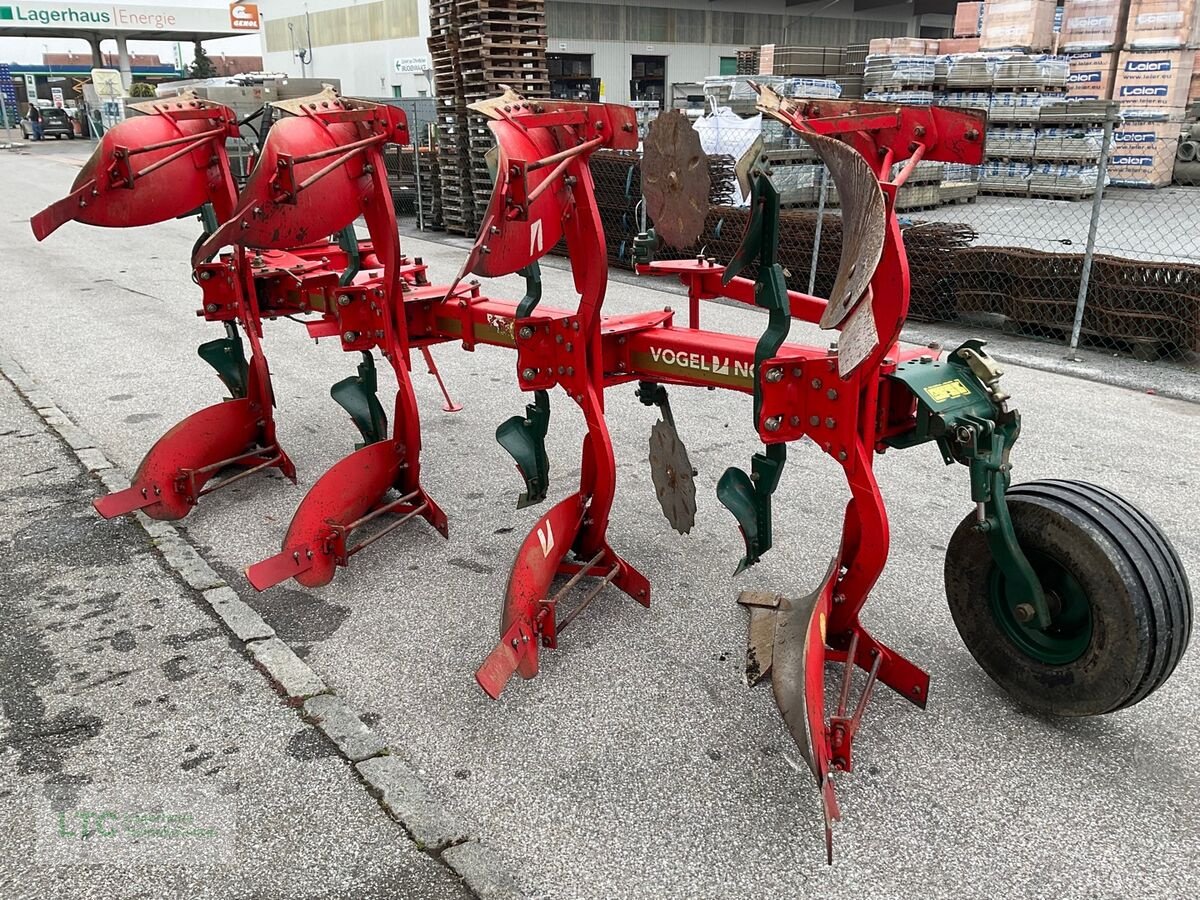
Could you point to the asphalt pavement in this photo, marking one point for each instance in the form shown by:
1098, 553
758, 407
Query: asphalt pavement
142, 755
637, 764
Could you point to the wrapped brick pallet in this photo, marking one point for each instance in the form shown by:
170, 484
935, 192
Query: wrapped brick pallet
1017, 25
1162, 25
1092, 75
967, 19
1091, 25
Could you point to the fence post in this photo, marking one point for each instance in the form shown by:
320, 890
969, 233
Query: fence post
1089, 251
816, 252
416, 145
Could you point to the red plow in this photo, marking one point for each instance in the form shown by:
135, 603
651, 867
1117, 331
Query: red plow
1067, 595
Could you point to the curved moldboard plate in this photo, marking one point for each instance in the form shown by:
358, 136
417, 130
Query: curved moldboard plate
864, 224
269, 217
176, 189
675, 179
508, 244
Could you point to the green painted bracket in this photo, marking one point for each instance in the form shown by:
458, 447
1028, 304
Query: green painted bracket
961, 408
651, 393
208, 224
229, 359
524, 437
644, 245
748, 497
358, 396
533, 290
348, 241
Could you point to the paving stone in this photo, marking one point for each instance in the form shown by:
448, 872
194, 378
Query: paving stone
406, 796
243, 621
286, 669
481, 871
356, 741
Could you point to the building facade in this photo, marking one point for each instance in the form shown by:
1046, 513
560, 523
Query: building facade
633, 50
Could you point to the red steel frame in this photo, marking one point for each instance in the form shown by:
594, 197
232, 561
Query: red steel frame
319, 174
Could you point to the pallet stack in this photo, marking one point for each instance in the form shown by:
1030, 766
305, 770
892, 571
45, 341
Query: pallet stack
454, 161
747, 61
431, 188
501, 43
479, 47
1152, 84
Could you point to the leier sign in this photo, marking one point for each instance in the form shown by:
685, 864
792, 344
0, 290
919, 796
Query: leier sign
42, 16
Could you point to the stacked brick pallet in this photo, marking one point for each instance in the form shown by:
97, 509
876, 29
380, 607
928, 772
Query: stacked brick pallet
1150, 78
478, 48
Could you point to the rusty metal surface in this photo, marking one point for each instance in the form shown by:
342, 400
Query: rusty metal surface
864, 222
672, 474
675, 179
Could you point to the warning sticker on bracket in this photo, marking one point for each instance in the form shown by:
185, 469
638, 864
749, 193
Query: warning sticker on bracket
859, 337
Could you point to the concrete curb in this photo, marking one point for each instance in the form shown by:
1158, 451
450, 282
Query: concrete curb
356, 741
397, 786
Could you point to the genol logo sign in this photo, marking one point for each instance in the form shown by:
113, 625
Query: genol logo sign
243, 16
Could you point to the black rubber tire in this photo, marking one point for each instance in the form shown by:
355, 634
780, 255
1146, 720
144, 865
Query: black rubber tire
1138, 593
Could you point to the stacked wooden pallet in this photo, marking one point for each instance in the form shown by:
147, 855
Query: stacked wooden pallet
501, 43
431, 188
454, 161
747, 61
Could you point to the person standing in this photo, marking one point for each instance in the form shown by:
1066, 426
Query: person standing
35, 121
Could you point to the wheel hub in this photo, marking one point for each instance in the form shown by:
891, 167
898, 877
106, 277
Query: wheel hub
1070, 629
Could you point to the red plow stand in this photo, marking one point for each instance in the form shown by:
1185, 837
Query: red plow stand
1035, 574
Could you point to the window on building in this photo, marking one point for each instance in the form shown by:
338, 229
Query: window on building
728, 65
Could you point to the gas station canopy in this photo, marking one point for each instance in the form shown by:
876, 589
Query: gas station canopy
156, 23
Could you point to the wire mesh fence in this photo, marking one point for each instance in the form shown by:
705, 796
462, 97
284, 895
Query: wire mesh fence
1081, 233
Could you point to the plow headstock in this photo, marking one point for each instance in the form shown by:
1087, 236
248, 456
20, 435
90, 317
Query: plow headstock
159, 165
318, 171
885, 133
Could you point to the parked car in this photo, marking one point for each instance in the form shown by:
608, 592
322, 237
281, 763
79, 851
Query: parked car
55, 123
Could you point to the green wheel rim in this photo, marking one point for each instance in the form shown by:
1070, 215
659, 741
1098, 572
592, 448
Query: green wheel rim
1070, 630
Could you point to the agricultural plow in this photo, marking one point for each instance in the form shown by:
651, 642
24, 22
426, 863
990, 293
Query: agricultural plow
1067, 595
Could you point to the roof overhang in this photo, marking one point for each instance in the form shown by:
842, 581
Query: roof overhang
40, 18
